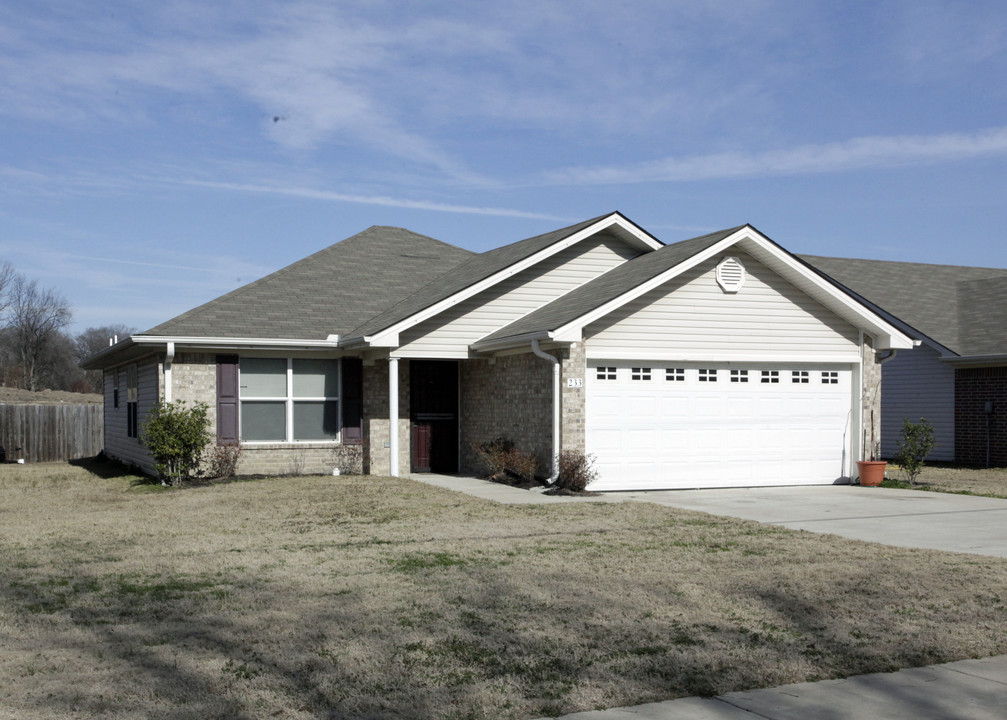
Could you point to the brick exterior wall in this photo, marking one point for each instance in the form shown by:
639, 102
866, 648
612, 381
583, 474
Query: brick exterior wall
574, 417
194, 378
974, 387
509, 397
871, 398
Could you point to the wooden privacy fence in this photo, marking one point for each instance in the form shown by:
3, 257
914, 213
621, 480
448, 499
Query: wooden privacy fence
51, 433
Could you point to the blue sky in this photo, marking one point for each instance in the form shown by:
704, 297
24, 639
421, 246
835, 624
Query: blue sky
156, 155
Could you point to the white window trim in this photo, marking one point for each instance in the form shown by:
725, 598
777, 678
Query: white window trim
288, 402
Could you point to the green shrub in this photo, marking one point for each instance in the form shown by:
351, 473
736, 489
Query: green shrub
916, 443
176, 436
576, 470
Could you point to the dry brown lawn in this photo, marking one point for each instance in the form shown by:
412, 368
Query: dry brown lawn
325, 597
942, 478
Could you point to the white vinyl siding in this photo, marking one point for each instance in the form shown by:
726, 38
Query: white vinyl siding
691, 317
450, 333
915, 384
117, 445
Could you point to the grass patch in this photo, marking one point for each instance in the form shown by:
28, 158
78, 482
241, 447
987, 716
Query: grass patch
986, 482
378, 597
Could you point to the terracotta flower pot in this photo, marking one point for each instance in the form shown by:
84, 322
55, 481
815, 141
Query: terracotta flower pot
871, 472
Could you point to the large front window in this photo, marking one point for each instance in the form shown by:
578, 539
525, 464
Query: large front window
289, 400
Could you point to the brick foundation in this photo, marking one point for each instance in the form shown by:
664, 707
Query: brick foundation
974, 387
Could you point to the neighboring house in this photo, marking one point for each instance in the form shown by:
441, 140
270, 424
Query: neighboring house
957, 377
718, 361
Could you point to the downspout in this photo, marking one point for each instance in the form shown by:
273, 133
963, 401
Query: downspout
556, 399
169, 357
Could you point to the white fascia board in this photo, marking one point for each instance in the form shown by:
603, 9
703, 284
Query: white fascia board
383, 338
886, 335
229, 343
512, 341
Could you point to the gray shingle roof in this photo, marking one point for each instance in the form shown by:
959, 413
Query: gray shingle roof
470, 272
609, 286
962, 308
330, 292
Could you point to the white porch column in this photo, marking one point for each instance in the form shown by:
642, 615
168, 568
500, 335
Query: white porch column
393, 416
169, 357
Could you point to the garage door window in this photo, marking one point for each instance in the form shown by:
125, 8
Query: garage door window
799, 377
830, 377
640, 373
771, 376
606, 373
707, 375
739, 376
674, 374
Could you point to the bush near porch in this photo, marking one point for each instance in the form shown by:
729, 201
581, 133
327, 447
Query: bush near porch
374, 597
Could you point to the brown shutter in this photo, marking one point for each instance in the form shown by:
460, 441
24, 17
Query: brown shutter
227, 399
353, 401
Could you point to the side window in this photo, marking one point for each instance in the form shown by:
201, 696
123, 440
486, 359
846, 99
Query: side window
132, 401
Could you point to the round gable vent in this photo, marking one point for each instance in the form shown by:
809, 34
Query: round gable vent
730, 274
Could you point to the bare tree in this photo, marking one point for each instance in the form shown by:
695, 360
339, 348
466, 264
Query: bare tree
94, 340
7, 276
37, 316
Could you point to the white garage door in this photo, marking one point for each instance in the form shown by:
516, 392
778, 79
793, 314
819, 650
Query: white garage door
666, 425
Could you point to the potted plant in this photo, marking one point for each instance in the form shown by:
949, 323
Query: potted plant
871, 471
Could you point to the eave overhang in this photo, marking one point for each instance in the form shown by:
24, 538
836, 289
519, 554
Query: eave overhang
138, 345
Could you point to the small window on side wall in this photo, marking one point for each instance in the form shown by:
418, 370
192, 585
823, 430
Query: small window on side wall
132, 403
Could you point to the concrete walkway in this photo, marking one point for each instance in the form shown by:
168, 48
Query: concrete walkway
965, 690
488, 490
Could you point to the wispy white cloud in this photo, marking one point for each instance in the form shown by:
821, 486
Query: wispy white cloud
853, 154
328, 195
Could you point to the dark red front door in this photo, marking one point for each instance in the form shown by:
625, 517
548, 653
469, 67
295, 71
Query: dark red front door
433, 402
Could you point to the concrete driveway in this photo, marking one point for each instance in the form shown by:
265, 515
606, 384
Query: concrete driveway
907, 518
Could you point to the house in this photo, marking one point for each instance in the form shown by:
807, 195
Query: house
718, 361
957, 377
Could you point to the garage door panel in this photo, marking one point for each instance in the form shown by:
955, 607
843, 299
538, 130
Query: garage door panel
661, 434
